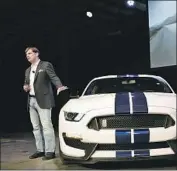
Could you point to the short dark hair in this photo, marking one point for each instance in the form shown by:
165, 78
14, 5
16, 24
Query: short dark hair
34, 49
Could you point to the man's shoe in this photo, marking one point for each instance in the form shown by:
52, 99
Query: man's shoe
49, 156
37, 155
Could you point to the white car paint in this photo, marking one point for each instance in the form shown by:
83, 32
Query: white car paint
90, 106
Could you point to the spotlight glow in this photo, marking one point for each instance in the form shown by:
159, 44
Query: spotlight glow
131, 3
89, 14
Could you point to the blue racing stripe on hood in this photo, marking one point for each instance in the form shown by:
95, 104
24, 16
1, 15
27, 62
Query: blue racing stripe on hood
139, 105
139, 102
122, 104
141, 153
128, 75
141, 136
123, 136
123, 154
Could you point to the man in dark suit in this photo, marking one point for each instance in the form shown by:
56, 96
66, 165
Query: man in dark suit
38, 79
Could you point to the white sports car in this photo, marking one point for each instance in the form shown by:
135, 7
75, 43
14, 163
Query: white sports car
119, 118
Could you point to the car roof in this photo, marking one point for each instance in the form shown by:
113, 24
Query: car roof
127, 75
130, 76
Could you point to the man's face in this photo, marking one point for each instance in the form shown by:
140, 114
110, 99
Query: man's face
31, 56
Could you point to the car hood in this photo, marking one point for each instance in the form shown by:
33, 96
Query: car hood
94, 102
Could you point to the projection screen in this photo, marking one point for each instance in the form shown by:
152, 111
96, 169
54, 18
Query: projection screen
162, 26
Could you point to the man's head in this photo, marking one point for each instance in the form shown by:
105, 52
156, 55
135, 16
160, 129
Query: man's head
32, 54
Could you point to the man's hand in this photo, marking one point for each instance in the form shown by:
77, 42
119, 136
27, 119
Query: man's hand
61, 89
26, 88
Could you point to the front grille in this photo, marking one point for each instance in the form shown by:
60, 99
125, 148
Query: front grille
131, 121
138, 146
75, 143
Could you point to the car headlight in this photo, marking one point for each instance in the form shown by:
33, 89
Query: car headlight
73, 116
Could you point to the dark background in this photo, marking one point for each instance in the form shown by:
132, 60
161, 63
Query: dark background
114, 41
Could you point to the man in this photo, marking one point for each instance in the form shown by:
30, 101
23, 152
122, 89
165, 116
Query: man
38, 79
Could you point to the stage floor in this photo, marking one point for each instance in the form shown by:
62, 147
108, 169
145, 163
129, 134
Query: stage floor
16, 148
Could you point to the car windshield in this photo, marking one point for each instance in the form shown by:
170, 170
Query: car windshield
127, 84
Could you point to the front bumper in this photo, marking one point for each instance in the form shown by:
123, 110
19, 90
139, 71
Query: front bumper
81, 143
112, 152
95, 160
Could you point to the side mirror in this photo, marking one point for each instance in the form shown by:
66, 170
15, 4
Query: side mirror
74, 95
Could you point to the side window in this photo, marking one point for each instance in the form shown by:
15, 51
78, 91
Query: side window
94, 90
89, 90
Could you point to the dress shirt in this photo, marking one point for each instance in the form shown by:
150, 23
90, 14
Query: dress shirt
32, 76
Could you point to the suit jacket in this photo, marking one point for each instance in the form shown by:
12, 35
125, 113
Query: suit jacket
44, 76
